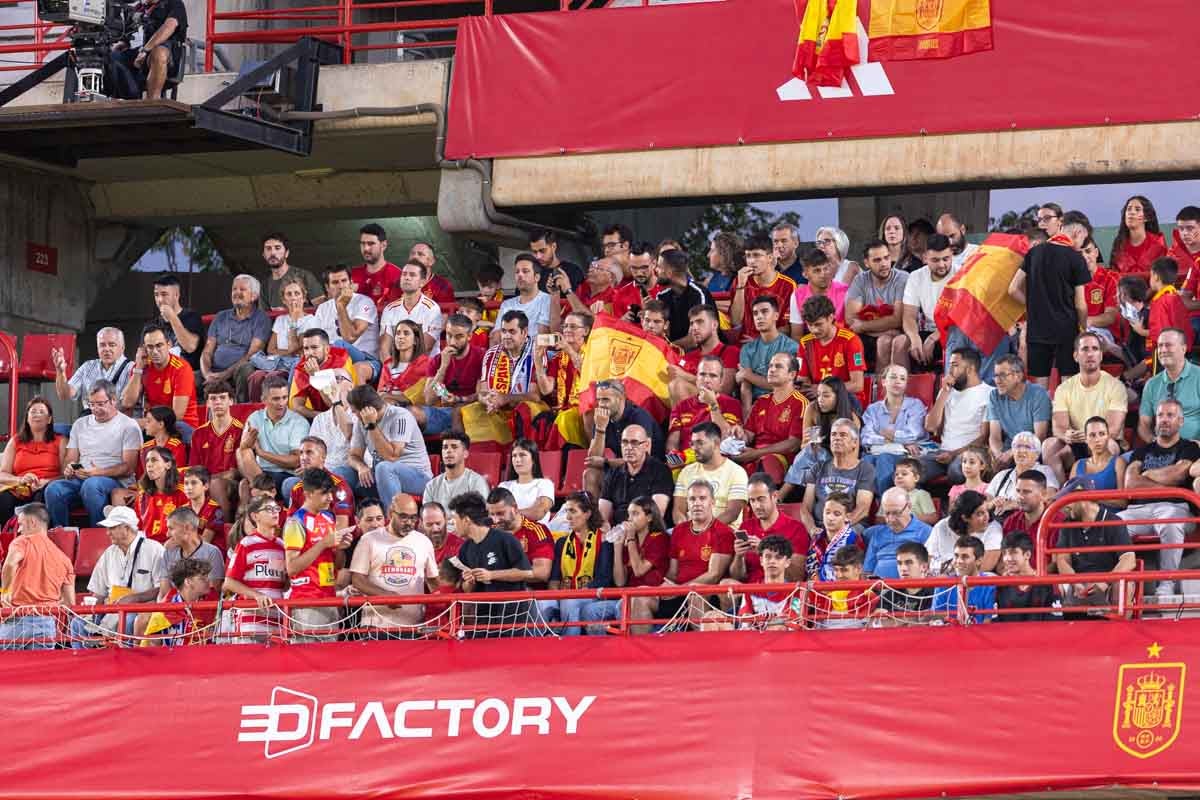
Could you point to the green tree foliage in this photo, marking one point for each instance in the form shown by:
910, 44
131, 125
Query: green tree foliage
740, 218
1013, 219
188, 250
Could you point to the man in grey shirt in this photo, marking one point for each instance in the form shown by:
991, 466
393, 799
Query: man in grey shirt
234, 336
184, 541
456, 478
102, 455
397, 446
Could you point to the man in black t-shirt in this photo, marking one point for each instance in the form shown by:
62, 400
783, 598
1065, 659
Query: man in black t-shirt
638, 475
908, 606
164, 32
1017, 552
185, 325
544, 246
1051, 285
493, 561
1092, 536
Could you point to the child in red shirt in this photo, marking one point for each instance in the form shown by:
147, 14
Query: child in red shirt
1166, 306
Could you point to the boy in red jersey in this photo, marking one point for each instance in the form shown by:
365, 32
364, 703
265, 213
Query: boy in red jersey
215, 445
1166, 306
212, 520
758, 278
315, 552
829, 349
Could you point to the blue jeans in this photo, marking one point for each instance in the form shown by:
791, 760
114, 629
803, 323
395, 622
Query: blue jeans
27, 633
64, 494
955, 339
600, 611
392, 477
885, 468
563, 611
84, 628
437, 420
357, 356
185, 432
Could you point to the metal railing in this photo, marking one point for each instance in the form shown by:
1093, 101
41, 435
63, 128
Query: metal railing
43, 38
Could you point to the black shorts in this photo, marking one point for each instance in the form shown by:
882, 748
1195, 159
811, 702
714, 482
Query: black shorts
1044, 356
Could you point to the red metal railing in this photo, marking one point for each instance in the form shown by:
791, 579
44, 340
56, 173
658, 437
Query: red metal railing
45, 37
9, 356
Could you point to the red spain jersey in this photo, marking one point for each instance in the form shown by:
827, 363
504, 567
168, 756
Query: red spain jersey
566, 381
438, 289
1166, 311
481, 338
781, 289
260, 564
842, 356
380, 286
343, 497
691, 412
657, 550
153, 509
450, 546
301, 532
616, 299
1101, 293
216, 452
788, 527
693, 550
537, 542
300, 387
211, 516
176, 379
177, 448
773, 422
728, 353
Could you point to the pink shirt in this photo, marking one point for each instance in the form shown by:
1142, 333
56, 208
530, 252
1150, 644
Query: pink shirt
837, 293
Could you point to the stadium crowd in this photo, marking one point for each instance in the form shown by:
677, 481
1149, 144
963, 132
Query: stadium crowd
815, 424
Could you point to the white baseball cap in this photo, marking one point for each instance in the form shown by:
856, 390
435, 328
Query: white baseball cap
119, 515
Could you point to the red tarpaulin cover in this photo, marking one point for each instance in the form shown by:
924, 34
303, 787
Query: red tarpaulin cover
860, 714
708, 73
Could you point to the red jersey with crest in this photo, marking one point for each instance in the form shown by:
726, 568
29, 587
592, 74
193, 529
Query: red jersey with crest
177, 448
772, 422
341, 505
153, 509
1100, 294
216, 452
301, 532
261, 564
728, 353
693, 550
782, 290
450, 546
537, 542
616, 299
338, 358
380, 286
691, 412
176, 379
438, 289
211, 516
788, 527
842, 356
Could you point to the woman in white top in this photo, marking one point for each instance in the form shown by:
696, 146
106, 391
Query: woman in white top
534, 494
283, 348
969, 516
835, 244
1003, 487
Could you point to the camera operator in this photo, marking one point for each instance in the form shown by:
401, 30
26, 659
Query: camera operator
164, 34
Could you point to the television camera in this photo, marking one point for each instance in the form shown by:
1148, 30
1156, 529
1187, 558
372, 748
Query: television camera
99, 25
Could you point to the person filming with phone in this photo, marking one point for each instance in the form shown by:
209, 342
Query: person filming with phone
557, 360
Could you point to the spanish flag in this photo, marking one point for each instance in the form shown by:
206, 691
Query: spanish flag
903, 30
619, 350
976, 300
828, 43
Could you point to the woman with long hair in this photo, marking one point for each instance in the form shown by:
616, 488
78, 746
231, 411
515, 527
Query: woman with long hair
725, 258
893, 231
285, 345
533, 492
31, 460
833, 402
158, 493
645, 554
970, 515
582, 560
1139, 240
402, 379
835, 244
162, 430
893, 428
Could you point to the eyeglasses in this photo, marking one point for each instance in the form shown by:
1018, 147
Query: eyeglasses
401, 515
270, 508
98, 403
1046, 217
632, 442
825, 241
611, 246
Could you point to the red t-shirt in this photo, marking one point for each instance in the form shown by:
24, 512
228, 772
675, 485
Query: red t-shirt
153, 509
379, 286
1101, 294
537, 542
691, 412
782, 290
450, 547
343, 497
1167, 311
616, 299
692, 550
657, 550
728, 353
216, 452
1189, 269
842, 356
463, 374
338, 358
211, 516
176, 379
773, 422
788, 527
177, 448
302, 531
438, 289
481, 339
260, 564
1138, 258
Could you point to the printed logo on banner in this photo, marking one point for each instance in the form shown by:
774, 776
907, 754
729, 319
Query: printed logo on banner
870, 76
294, 720
1148, 711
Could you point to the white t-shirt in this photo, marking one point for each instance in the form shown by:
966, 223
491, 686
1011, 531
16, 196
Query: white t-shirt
103, 444
1003, 485
360, 308
527, 494
426, 313
962, 257
284, 325
940, 545
337, 446
395, 566
537, 310
398, 425
923, 292
964, 415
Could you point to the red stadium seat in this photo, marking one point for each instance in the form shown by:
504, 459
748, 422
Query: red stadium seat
489, 465
791, 510
923, 386
65, 538
240, 411
552, 466
572, 479
36, 364
435, 463
775, 468
92, 543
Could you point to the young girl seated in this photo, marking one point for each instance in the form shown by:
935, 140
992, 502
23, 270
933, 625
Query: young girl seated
834, 536
976, 469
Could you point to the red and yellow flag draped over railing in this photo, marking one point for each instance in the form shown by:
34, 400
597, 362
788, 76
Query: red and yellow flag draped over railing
619, 350
902, 30
828, 42
976, 300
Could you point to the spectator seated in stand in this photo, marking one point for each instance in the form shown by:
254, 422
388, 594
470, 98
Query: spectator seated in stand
558, 376
36, 573
705, 330
159, 493
454, 376
270, 442
456, 477
433, 525
507, 385
1092, 535
893, 428
707, 405
970, 515
535, 539
583, 559
726, 480
533, 491
400, 462
844, 472
1015, 406
31, 460
414, 306
758, 280
910, 605
351, 322
215, 447
159, 378
111, 365
1017, 554
184, 326
843, 608
405, 374
900, 525
757, 351
774, 429
234, 336
908, 477
829, 349
318, 355
765, 521
875, 308
394, 560
958, 416
196, 481
312, 456
835, 533
968, 557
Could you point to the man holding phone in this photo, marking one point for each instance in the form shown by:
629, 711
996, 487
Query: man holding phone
316, 550
558, 376
766, 520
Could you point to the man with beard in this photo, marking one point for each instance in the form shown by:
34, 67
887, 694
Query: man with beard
643, 273
377, 277
958, 416
921, 339
275, 253
1091, 393
874, 302
433, 525
544, 246
680, 295
535, 538
1094, 535
394, 560
950, 226
726, 480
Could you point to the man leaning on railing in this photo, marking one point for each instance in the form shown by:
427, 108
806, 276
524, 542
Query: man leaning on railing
36, 573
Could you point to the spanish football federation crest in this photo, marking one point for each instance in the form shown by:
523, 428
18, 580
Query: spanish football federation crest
1148, 711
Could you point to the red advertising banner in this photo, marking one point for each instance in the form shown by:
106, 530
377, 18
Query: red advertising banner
719, 73
988, 709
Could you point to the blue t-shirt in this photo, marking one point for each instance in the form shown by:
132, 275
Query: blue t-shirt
1015, 416
977, 597
756, 355
233, 336
882, 543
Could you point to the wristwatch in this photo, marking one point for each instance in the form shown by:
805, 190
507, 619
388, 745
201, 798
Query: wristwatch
335, 403
370, 426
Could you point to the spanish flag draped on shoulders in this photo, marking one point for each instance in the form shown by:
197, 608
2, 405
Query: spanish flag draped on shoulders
509, 390
828, 43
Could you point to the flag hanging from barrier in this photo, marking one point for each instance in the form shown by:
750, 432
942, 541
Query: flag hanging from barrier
903, 30
828, 41
976, 300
